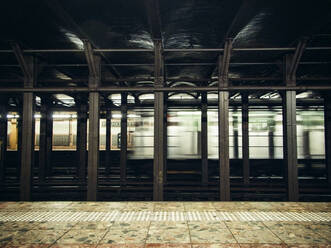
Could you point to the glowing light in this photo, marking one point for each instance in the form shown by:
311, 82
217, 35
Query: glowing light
117, 116
73, 38
64, 116
12, 116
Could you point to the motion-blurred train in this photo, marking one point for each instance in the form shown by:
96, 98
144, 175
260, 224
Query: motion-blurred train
184, 133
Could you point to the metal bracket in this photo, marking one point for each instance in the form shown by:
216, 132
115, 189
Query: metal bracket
27, 71
224, 63
291, 68
93, 69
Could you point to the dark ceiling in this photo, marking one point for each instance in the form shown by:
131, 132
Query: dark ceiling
63, 24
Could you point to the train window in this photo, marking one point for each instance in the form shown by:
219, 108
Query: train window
12, 131
212, 115
64, 130
133, 117
37, 131
235, 130
102, 133
141, 133
115, 130
235, 136
184, 127
310, 133
13, 121
265, 132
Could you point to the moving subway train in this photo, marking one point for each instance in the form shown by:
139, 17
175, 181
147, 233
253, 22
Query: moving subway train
184, 133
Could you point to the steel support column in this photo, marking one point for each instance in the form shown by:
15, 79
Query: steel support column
291, 63
245, 138
327, 126
204, 137
82, 142
290, 145
94, 63
223, 122
28, 123
158, 146
289, 123
159, 124
27, 146
93, 146
223, 143
124, 136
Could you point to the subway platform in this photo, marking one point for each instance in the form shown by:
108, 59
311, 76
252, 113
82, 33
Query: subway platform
165, 224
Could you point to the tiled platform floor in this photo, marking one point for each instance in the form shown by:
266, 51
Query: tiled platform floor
165, 224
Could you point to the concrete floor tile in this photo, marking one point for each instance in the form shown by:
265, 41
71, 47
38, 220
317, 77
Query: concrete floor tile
168, 232
121, 246
255, 236
73, 246
138, 206
168, 246
210, 232
18, 226
93, 225
309, 246
36, 237
126, 232
263, 246
215, 245
199, 206
245, 225
169, 206
27, 246
295, 233
54, 225
82, 237
6, 237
